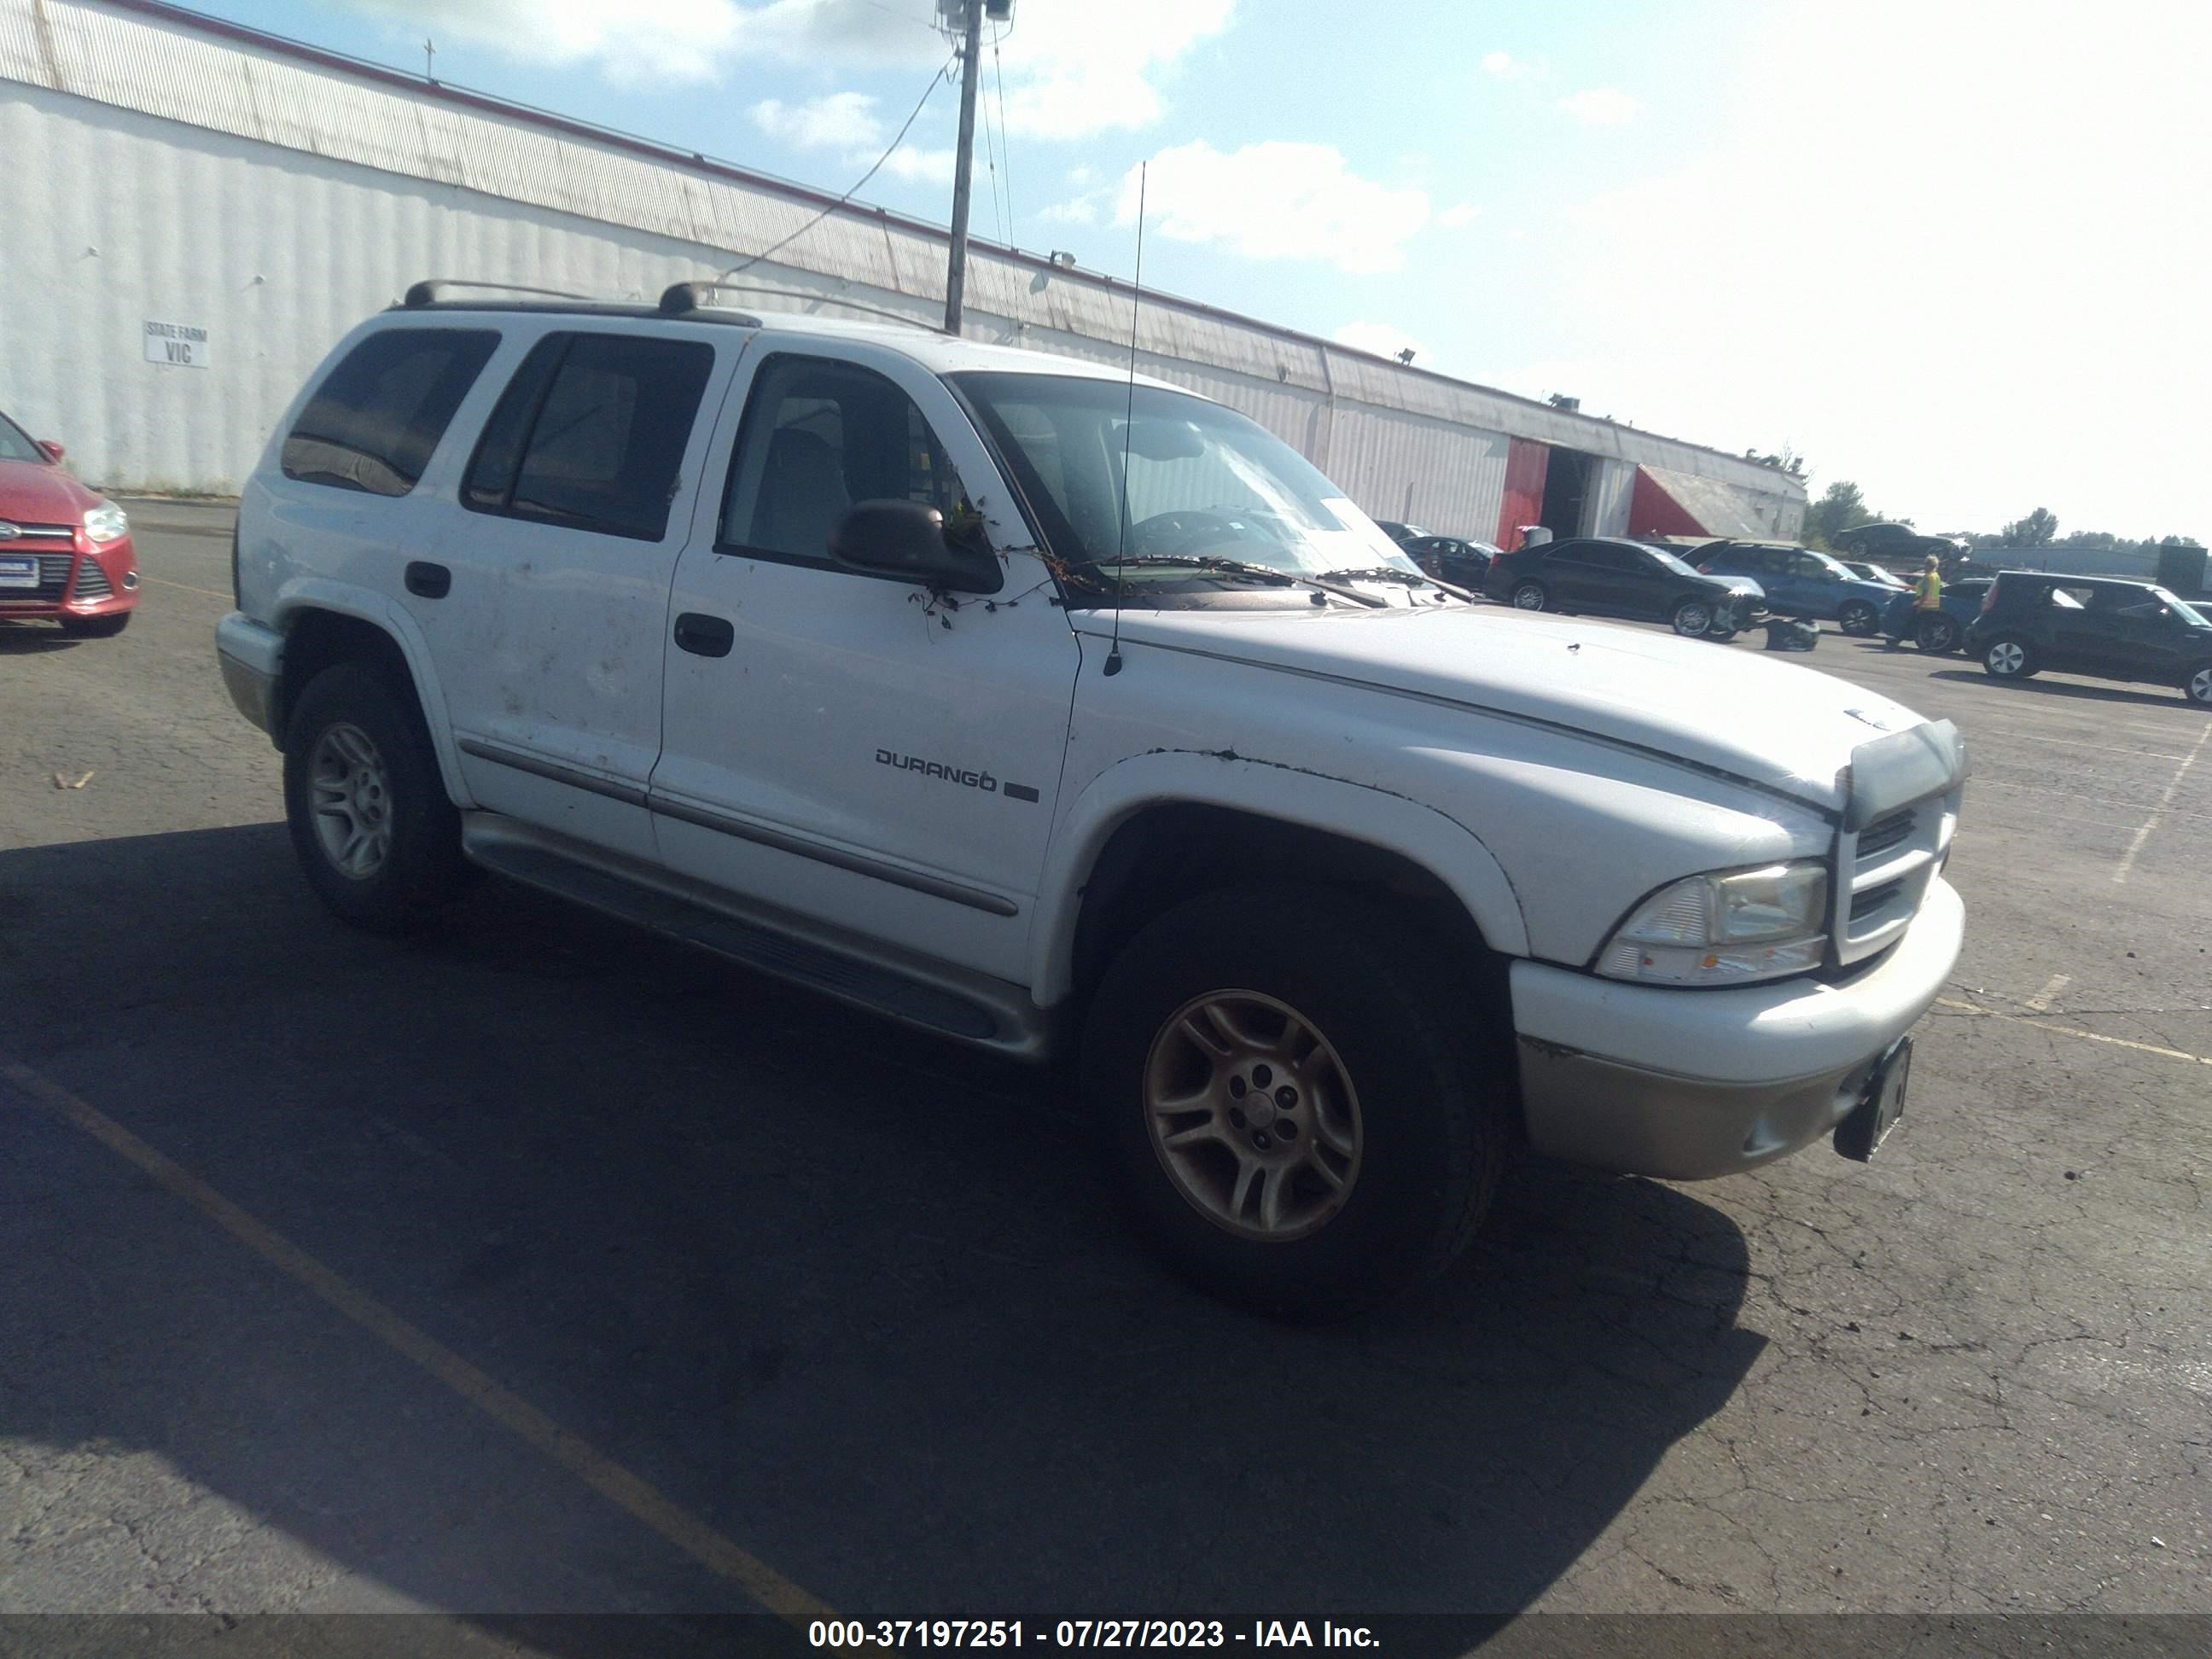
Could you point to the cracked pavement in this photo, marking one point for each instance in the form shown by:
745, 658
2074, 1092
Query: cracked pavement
858, 1299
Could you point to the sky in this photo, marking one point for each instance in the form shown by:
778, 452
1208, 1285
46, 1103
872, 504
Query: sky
1955, 251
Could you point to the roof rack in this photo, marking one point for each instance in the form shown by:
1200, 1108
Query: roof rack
681, 298
433, 291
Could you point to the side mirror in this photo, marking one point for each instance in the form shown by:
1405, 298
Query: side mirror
54, 452
906, 540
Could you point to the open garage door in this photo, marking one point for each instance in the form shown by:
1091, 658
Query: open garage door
1670, 503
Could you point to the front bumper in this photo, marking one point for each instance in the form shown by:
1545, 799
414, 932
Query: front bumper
1689, 1084
252, 658
77, 578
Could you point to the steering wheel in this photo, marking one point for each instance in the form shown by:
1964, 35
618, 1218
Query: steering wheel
1186, 530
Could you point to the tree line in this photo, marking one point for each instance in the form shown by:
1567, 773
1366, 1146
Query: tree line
1843, 507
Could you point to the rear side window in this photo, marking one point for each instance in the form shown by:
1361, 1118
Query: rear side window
375, 419
590, 433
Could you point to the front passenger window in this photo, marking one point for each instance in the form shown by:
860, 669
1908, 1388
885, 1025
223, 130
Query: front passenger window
821, 436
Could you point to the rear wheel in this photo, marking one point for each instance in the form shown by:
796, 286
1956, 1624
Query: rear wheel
371, 825
1935, 633
1530, 596
95, 628
2009, 658
1302, 1122
2198, 688
1859, 619
1692, 618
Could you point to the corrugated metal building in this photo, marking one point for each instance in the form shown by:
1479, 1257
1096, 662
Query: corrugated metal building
198, 211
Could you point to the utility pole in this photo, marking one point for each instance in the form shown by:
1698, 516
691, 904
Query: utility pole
956, 275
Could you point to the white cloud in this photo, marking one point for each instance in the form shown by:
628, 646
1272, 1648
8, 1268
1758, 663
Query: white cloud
1078, 210
1277, 200
1602, 107
1383, 339
1504, 66
933, 166
1458, 216
2032, 277
841, 120
1077, 69
1071, 69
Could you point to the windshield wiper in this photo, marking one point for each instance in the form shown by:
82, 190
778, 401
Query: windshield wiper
1390, 573
1238, 568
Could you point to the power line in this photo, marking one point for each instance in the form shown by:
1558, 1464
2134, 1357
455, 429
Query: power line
1005, 138
991, 160
858, 184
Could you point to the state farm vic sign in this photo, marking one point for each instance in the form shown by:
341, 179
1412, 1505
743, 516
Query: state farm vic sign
183, 344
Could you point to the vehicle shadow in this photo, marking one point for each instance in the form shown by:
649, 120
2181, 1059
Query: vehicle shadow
26, 638
859, 1300
2043, 686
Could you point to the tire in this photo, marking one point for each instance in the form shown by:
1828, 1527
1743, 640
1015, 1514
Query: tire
1530, 596
2009, 657
1936, 634
96, 627
1693, 619
1721, 635
2197, 688
1859, 619
361, 748
1422, 1106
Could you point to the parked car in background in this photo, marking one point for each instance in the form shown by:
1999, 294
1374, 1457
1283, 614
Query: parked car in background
1451, 559
1867, 571
65, 551
2099, 626
1800, 582
1401, 534
1936, 631
1610, 576
1896, 543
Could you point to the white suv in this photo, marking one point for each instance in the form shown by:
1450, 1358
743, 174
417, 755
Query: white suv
1059, 713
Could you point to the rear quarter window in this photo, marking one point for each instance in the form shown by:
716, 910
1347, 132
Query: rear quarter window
376, 419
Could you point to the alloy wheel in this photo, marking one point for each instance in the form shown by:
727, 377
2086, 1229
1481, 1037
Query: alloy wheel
1252, 1115
352, 801
2006, 658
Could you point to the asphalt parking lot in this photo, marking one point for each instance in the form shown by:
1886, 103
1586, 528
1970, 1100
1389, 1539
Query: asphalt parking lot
542, 1266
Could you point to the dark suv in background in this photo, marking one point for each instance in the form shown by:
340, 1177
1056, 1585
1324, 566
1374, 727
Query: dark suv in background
1610, 576
2094, 625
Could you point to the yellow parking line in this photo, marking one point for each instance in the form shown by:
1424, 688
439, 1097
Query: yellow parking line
2074, 1031
600, 1472
160, 581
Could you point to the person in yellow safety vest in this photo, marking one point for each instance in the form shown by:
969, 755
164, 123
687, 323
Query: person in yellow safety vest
1929, 590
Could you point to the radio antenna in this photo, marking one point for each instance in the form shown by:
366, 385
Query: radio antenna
1128, 426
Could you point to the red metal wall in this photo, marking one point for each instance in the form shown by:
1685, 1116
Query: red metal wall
1525, 464
1653, 511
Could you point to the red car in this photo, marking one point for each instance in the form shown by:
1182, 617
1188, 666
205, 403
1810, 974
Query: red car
64, 551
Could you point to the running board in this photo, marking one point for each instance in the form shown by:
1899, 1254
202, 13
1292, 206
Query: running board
914, 990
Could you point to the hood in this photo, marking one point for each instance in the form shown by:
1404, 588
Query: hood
1788, 728
32, 493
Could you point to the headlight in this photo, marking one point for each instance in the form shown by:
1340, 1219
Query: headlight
105, 522
1726, 929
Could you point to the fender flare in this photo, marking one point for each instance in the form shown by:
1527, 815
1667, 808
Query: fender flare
1396, 824
317, 593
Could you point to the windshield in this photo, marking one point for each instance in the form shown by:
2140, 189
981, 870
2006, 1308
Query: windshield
2182, 608
16, 446
1202, 480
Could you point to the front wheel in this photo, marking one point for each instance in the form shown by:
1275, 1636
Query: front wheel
1303, 1124
371, 823
1936, 633
2007, 658
1692, 618
1859, 619
1530, 596
2199, 687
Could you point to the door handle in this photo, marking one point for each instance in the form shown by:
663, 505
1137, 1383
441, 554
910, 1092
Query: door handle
428, 582
704, 637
